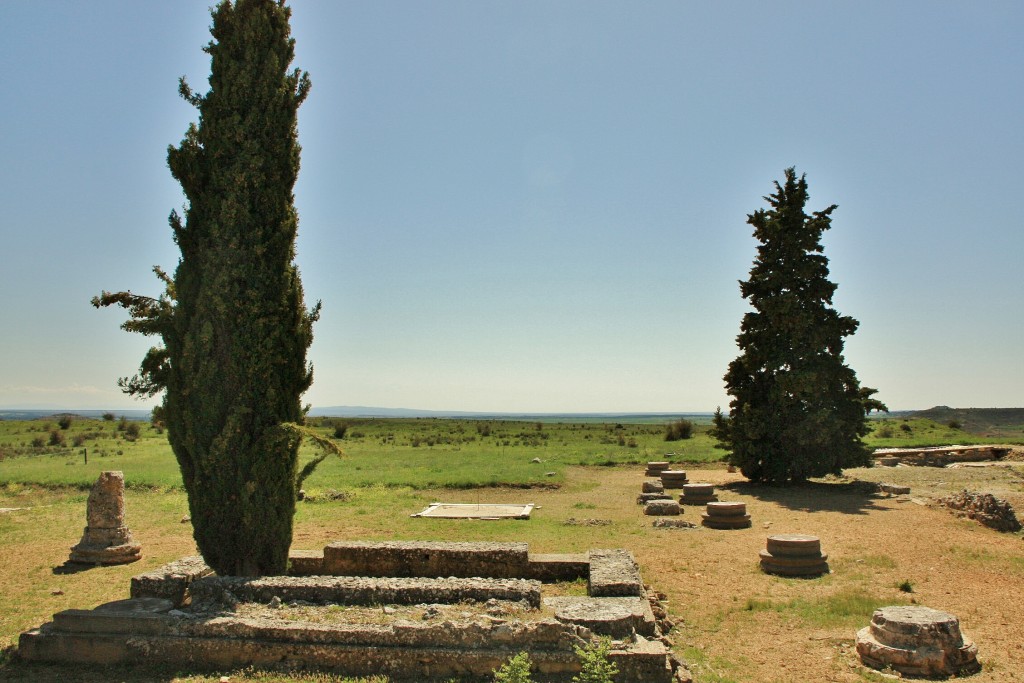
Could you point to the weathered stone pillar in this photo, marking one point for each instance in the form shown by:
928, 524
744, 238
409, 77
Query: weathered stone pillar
106, 539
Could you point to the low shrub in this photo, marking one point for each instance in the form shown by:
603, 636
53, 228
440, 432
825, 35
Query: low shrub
678, 430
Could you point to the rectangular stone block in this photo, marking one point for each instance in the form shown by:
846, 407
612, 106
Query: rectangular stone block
551, 568
614, 573
426, 559
305, 563
170, 581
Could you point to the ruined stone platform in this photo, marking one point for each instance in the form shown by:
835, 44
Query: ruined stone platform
183, 614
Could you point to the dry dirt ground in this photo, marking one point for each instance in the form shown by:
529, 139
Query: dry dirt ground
736, 623
739, 624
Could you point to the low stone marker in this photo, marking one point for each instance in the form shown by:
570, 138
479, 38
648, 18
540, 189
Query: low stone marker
893, 489
917, 641
729, 515
106, 539
794, 555
674, 479
653, 486
662, 508
697, 494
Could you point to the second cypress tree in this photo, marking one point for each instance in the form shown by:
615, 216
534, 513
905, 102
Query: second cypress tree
797, 409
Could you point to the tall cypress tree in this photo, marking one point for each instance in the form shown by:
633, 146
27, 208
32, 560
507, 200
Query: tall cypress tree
797, 409
234, 327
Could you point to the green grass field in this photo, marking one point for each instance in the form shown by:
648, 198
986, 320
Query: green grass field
413, 453
417, 453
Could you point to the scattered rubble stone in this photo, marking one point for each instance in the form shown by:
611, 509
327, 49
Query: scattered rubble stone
666, 523
572, 521
993, 512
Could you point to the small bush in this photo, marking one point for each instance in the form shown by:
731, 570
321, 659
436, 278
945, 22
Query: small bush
38, 442
122, 425
132, 431
340, 430
515, 670
56, 438
906, 586
678, 430
594, 664
953, 424
884, 432
905, 428
64, 422
77, 440
108, 417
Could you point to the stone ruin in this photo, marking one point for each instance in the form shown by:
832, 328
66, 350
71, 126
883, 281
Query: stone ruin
697, 493
917, 641
673, 479
726, 515
655, 468
662, 508
106, 539
430, 611
993, 512
794, 555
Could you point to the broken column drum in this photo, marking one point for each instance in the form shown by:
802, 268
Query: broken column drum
655, 468
917, 641
673, 479
794, 555
106, 539
697, 494
730, 515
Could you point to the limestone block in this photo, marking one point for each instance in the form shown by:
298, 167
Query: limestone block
653, 486
662, 508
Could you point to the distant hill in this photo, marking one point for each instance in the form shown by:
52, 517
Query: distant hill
1005, 423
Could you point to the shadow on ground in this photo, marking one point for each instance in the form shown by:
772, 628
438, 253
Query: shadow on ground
854, 498
70, 567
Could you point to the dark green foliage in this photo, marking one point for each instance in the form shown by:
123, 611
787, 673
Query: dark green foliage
679, 430
515, 670
64, 422
56, 438
797, 410
595, 666
234, 327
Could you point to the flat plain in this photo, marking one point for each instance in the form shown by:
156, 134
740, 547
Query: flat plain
734, 623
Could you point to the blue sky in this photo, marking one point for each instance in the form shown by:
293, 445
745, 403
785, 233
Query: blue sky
539, 206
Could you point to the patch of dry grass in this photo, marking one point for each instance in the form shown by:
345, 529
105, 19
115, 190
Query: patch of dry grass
734, 622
